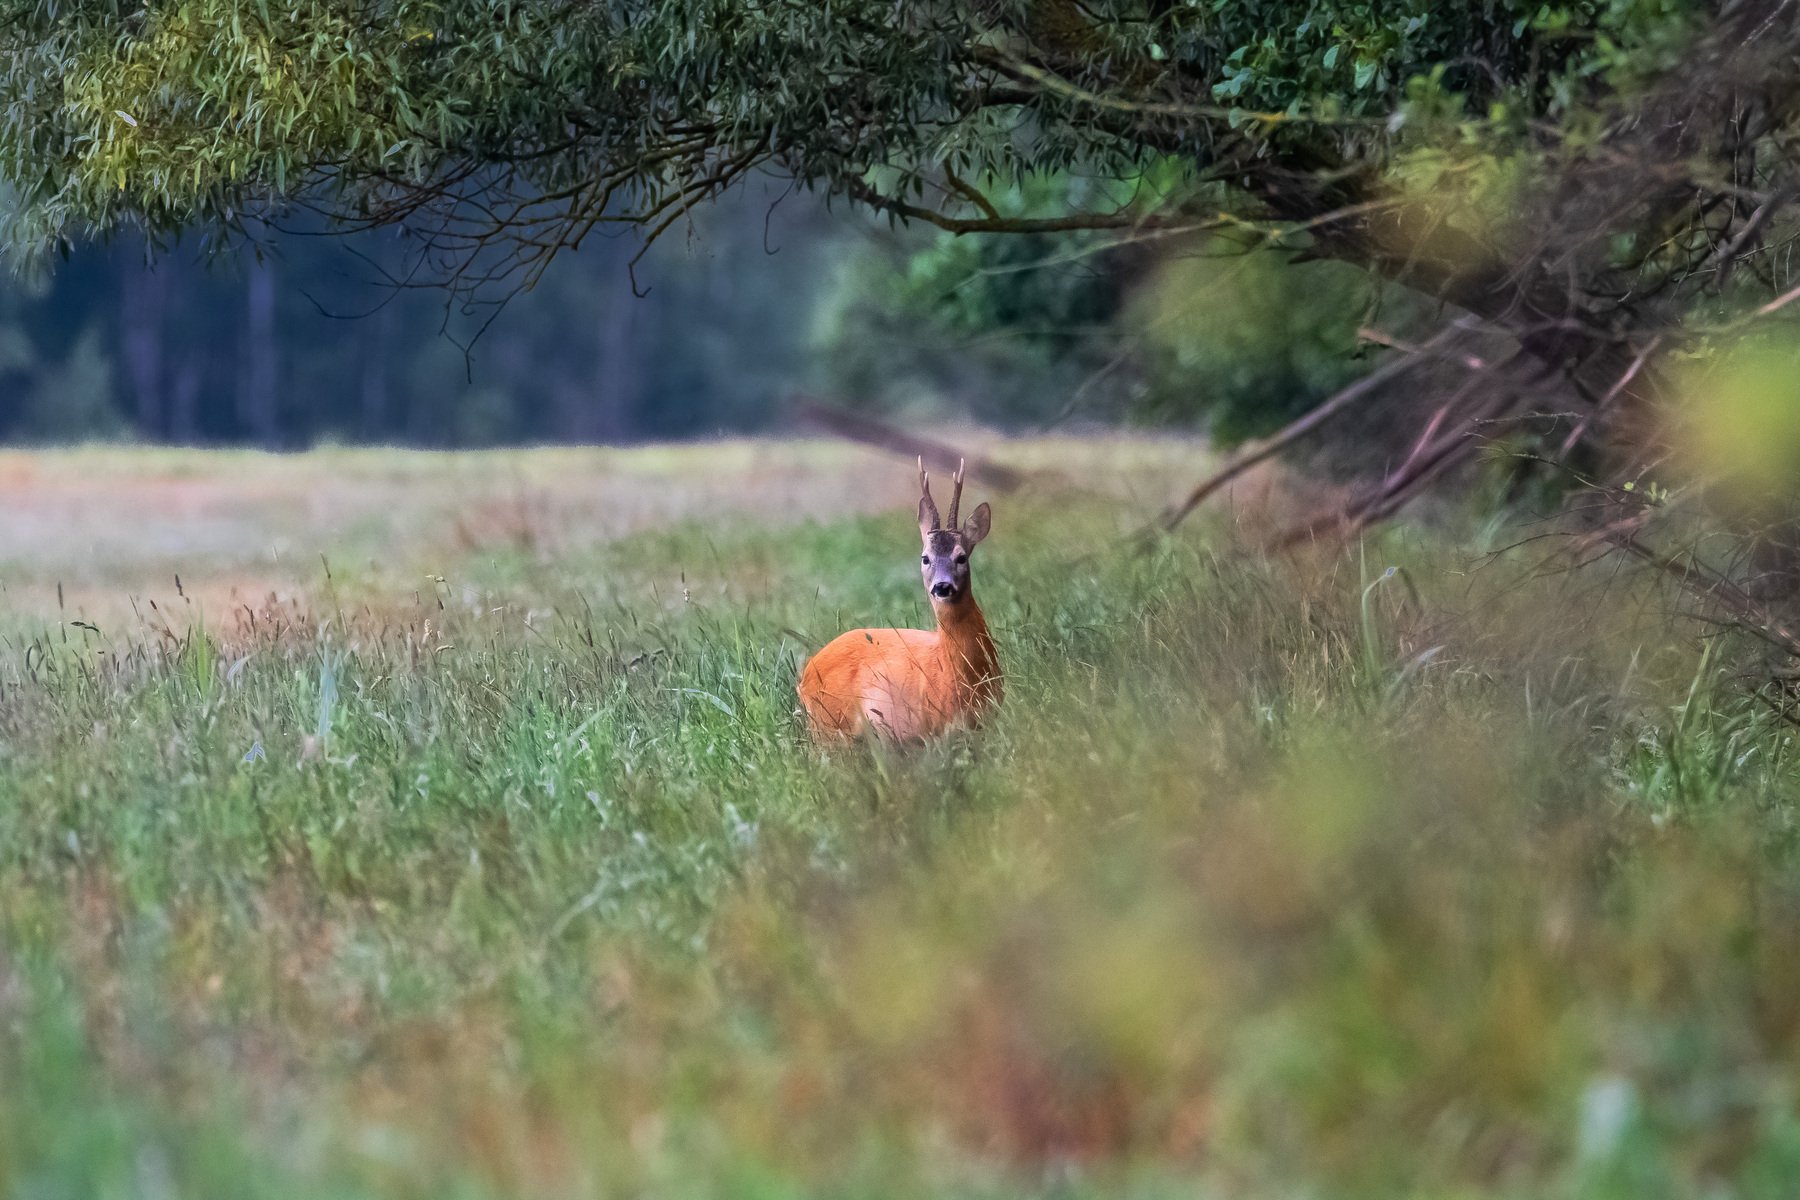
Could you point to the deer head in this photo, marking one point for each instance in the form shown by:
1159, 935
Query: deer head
945, 560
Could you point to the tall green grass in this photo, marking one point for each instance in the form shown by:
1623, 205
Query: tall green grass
1402, 873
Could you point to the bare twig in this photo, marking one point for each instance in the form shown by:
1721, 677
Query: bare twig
1380, 337
1311, 421
1125, 218
1431, 456
1605, 402
1709, 585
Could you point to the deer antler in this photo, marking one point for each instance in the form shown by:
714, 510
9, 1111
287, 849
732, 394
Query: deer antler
930, 505
956, 493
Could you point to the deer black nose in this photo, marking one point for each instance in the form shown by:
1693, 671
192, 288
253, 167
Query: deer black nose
942, 590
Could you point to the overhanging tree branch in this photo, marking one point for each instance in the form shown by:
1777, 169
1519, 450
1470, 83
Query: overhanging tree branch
1074, 222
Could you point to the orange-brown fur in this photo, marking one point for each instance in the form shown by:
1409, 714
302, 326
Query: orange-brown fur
910, 684
904, 684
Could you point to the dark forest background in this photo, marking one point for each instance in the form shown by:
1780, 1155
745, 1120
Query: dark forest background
319, 338
762, 297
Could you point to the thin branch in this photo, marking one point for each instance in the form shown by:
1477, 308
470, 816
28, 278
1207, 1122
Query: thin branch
972, 194
1048, 81
1428, 460
1473, 362
1727, 255
1605, 402
1710, 585
1120, 219
1270, 446
1778, 303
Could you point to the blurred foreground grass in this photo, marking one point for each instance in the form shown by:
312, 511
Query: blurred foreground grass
485, 857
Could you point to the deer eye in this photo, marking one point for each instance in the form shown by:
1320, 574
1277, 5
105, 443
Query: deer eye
961, 559
924, 560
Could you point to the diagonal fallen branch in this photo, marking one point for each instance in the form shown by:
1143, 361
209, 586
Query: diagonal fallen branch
857, 427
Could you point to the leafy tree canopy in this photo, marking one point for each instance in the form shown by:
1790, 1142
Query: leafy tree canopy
1581, 176
533, 121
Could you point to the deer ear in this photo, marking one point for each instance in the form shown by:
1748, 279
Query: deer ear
928, 515
976, 527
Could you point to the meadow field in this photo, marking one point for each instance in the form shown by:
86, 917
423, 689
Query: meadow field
391, 824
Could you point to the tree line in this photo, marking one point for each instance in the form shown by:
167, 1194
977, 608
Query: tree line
315, 339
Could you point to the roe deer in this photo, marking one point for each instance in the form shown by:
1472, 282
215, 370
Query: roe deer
910, 684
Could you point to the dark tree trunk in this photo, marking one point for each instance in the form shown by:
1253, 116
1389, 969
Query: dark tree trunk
184, 404
610, 414
141, 303
258, 402
377, 334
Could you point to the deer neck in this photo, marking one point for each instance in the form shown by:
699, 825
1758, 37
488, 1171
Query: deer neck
964, 640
